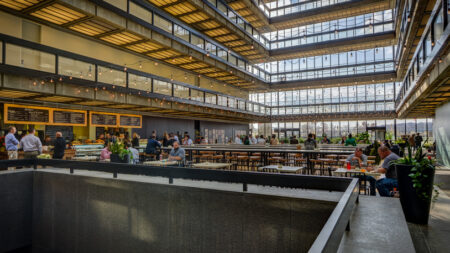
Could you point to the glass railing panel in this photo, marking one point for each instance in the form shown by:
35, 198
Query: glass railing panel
75, 68
29, 58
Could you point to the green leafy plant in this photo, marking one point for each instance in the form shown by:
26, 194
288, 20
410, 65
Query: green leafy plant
118, 148
422, 167
335, 140
374, 152
363, 137
301, 140
389, 136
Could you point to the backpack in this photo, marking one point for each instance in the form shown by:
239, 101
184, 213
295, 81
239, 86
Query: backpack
310, 145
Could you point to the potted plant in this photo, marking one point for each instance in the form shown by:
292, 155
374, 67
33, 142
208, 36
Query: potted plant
119, 154
415, 175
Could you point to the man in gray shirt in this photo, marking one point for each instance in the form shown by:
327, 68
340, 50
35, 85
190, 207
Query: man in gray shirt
358, 159
31, 145
386, 185
177, 153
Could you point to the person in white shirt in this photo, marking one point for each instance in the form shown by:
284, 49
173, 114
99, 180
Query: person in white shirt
253, 140
187, 141
261, 140
237, 140
134, 158
31, 145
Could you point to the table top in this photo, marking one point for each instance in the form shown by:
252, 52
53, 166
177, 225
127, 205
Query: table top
286, 169
160, 163
271, 150
356, 171
208, 165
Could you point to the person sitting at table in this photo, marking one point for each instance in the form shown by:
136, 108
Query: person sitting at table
59, 146
177, 153
261, 140
293, 140
325, 140
237, 139
350, 140
134, 158
386, 185
357, 159
152, 146
247, 140
187, 141
105, 154
274, 140
253, 140
343, 140
310, 143
135, 140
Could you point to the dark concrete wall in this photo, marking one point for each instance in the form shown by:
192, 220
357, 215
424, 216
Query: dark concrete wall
15, 209
441, 132
86, 214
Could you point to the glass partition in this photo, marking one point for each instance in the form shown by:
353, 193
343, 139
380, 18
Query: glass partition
29, 58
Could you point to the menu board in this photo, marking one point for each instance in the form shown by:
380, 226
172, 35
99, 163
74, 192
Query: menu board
134, 121
69, 117
103, 119
26, 114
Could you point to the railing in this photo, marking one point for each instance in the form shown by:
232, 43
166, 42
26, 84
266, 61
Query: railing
433, 42
104, 75
327, 241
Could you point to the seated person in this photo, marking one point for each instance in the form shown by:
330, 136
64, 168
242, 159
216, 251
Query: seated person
177, 153
105, 154
358, 159
134, 158
325, 140
187, 140
152, 146
386, 185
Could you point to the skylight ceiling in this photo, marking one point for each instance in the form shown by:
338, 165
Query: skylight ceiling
214, 26
74, 19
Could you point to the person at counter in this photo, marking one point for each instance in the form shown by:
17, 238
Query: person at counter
48, 141
11, 143
152, 146
59, 146
350, 141
105, 153
177, 153
31, 145
135, 140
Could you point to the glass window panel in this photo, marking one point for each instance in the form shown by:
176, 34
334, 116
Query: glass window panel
29, 58
180, 91
162, 87
140, 12
163, 23
111, 76
197, 41
197, 95
75, 68
181, 33
210, 98
139, 82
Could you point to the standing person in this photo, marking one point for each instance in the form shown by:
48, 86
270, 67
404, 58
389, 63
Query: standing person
237, 139
135, 140
177, 153
350, 141
274, 140
310, 143
31, 145
253, 140
59, 146
165, 140
48, 141
11, 143
187, 140
418, 140
411, 141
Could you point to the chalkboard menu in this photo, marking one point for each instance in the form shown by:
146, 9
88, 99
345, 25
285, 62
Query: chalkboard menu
69, 117
130, 121
102, 119
27, 115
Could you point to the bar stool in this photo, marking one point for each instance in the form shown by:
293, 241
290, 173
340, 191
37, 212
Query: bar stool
317, 162
271, 170
206, 156
243, 162
254, 162
328, 163
217, 157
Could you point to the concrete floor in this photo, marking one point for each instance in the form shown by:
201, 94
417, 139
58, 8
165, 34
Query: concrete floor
435, 237
377, 225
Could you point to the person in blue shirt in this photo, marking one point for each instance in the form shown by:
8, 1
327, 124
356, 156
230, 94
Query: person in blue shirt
153, 146
11, 143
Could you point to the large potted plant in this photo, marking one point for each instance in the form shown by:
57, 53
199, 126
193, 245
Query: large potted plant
415, 176
119, 154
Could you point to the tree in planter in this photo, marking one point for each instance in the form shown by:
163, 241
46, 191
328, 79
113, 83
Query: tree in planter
415, 176
119, 152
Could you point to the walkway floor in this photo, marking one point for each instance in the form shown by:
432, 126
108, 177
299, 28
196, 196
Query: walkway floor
377, 225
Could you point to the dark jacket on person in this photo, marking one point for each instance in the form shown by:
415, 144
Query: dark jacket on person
152, 146
135, 142
418, 140
60, 146
293, 141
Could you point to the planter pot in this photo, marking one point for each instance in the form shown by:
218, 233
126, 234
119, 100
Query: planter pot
116, 159
416, 210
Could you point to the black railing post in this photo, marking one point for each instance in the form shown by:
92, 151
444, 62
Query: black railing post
115, 173
71, 170
244, 187
35, 164
170, 180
